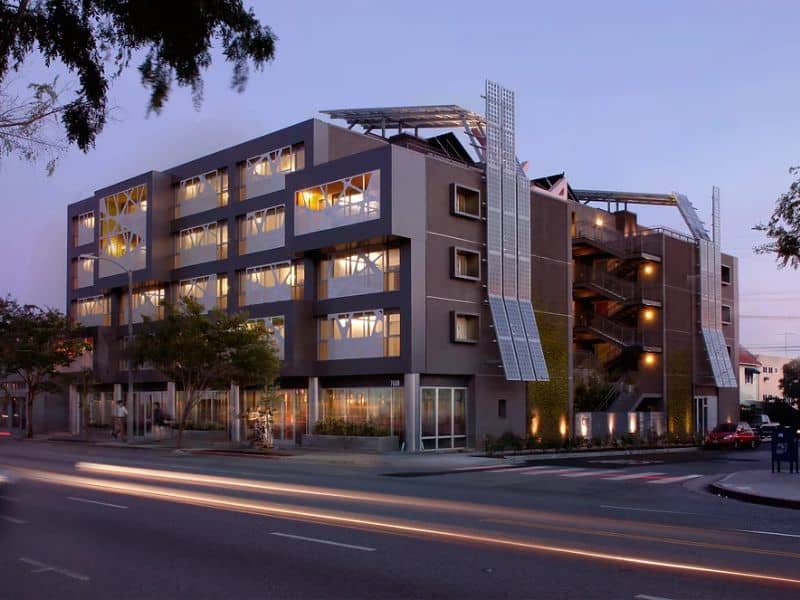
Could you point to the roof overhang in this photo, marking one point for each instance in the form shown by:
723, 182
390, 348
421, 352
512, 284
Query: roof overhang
438, 116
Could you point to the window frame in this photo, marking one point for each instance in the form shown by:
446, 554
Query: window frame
455, 250
730, 314
454, 315
722, 270
454, 188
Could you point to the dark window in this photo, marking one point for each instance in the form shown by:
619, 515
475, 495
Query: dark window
466, 264
466, 201
726, 274
501, 409
727, 314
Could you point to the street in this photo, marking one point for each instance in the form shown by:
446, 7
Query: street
91, 522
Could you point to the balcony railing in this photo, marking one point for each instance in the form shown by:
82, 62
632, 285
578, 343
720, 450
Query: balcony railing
621, 334
623, 289
644, 241
200, 254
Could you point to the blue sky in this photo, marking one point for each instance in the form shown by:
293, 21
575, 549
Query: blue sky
638, 96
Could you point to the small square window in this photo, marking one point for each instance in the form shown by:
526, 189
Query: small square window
725, 275
466, 328
727, 314
466, 264
466, 201
501, 409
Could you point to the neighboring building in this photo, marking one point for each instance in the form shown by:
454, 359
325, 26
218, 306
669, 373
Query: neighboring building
771, 375
400, 276
749, 378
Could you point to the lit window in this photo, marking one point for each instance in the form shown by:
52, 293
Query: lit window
466, 264
466, 201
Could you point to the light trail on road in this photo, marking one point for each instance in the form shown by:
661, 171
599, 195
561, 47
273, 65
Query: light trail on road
371, 523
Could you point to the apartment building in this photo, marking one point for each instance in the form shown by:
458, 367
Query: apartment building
411, 282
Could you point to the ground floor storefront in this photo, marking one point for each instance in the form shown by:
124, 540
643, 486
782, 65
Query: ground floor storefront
424, 412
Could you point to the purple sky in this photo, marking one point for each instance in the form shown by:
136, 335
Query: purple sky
637, 96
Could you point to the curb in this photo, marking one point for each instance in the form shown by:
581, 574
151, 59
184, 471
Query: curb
716, 488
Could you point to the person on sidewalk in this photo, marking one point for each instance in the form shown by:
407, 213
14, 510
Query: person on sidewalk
120, 420
158, 421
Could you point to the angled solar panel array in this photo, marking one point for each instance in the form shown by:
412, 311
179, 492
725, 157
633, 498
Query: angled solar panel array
508, 243
710, 285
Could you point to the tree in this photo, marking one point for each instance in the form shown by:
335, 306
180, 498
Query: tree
97, 40
790, 382
35, 343
783, 227
202, 352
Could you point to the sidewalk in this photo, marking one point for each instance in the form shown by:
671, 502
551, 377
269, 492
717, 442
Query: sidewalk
761, 487
399, 463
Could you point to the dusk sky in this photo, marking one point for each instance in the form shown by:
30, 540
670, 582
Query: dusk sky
634, 96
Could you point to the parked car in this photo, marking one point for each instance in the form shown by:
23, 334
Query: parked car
763, 427
732, 435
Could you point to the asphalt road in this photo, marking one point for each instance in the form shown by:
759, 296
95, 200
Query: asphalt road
87, 522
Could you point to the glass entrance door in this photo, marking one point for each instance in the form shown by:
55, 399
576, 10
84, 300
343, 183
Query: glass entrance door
443, 422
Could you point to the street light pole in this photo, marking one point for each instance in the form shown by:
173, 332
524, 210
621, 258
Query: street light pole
129, 399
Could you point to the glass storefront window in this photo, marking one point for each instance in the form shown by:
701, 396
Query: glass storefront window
443, 420
382, 407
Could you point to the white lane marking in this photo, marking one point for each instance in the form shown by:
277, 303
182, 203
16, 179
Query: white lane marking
591, 473
318, 541
87, 501
634, 476
45, 568
553, 471
674, 479
13, 520
653, 510
791, 535
646, 597
524, 469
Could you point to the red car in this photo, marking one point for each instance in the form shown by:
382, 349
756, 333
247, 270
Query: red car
736, 435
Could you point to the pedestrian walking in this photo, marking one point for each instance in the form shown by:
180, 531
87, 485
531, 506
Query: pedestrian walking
120, 418
158, 421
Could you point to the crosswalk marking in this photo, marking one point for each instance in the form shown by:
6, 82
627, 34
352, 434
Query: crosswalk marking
674, 479
634, 476
655, 477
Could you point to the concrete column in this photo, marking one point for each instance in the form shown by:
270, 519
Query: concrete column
313, 402
169, 405
411, 411
74, 402
234, 418
117, 394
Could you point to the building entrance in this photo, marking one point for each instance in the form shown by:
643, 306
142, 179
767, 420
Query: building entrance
443, 418
12, 414
705, 414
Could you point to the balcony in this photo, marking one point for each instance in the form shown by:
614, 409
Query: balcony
337, 203
146, 303
266, 173
360, 273
369, 334
201, 244
92, 312
201, 193
210, 291
262, 230
274, 282
83, 229
82, 273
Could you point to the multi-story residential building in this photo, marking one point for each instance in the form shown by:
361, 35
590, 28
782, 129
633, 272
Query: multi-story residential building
771, 375
749, 378
408, 282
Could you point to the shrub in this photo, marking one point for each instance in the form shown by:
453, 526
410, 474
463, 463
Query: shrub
340, 427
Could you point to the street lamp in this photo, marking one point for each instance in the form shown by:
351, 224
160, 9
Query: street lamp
129, 401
